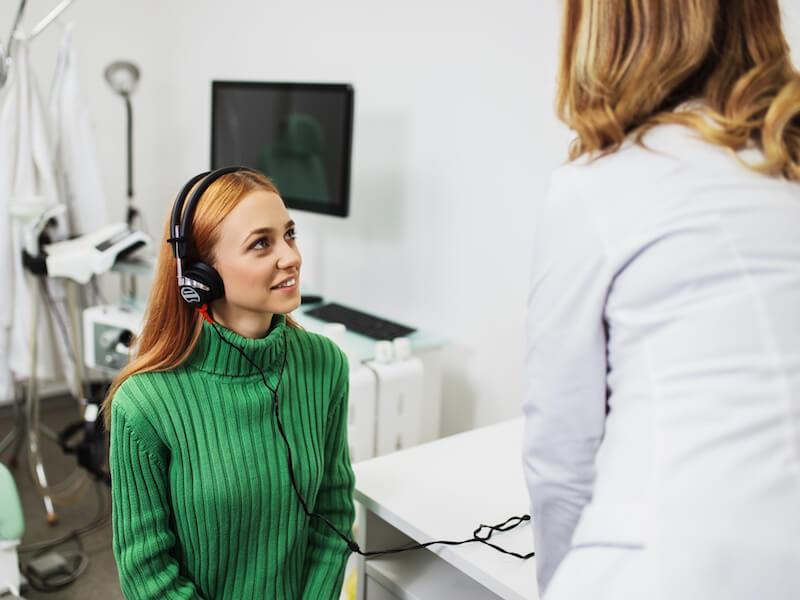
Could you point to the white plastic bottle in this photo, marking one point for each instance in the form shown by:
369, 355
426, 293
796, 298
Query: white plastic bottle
400, 396
362, 399
361, 411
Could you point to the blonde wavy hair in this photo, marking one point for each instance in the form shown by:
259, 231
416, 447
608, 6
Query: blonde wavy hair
626, 65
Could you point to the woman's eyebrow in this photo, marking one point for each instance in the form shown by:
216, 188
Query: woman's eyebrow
288, 225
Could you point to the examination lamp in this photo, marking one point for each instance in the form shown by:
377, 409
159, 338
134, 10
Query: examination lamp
123, 77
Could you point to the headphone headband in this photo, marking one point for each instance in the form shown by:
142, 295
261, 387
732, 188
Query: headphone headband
199, 283
180, 227
177, 238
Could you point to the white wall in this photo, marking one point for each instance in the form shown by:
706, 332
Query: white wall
454, 139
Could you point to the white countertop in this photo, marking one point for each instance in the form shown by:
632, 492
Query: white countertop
445, 489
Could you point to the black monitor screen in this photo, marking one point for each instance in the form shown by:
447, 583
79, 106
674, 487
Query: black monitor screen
298, 134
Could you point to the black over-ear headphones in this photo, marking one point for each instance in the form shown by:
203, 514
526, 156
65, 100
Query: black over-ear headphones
200, 284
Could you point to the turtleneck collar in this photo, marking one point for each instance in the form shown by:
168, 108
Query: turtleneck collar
212, 355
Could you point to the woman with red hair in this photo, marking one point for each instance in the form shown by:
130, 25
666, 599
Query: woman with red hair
203, 418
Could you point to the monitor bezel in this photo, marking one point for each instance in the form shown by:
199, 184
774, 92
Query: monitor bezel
336, 210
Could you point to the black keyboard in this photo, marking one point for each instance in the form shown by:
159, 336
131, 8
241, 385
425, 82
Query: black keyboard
359, 322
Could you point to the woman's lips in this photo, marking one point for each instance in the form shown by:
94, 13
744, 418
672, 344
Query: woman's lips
292, 285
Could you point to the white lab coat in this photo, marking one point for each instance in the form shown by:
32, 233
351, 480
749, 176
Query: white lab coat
662, 445
74, 150
26, 178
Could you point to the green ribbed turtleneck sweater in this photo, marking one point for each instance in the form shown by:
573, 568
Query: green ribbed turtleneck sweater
202, 501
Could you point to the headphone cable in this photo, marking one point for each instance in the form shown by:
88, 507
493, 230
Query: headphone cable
507, 525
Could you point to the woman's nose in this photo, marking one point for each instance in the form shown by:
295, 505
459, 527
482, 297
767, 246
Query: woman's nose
289, 258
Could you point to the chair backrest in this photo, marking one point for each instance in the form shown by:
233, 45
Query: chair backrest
12, 523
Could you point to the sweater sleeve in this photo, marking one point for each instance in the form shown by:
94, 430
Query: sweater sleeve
142, 538
328, 553
565, 403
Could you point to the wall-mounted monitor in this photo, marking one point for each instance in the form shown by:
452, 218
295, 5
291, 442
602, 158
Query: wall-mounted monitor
298, 134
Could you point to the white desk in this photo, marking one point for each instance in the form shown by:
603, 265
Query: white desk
444, 490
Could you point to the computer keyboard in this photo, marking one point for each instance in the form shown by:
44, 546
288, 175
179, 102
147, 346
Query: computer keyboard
359, 322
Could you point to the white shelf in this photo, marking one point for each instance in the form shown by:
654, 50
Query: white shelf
421, 575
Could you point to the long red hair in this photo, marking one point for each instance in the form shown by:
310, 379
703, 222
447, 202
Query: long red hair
172, 327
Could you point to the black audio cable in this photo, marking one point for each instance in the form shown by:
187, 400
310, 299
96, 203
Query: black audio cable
477, 535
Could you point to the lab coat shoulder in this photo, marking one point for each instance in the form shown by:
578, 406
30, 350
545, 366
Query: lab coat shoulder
568, 242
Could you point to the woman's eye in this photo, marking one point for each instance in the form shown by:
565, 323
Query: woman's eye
263, 242
260, 244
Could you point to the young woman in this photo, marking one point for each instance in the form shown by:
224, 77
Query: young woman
203, 504
663, 412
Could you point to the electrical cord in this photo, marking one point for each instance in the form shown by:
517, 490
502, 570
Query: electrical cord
507, 525
76, 563
101, 520
59, 320
87, 458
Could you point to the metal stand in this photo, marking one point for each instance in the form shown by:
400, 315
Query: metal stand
27, 425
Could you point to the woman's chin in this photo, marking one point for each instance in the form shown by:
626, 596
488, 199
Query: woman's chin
286, 305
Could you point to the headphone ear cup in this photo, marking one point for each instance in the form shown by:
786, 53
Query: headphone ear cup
208, 276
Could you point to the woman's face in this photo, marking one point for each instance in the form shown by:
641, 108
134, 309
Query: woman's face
257, 257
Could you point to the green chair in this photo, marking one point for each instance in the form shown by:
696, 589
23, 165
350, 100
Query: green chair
12, 527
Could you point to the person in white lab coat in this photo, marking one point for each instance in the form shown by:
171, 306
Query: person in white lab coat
662, 438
